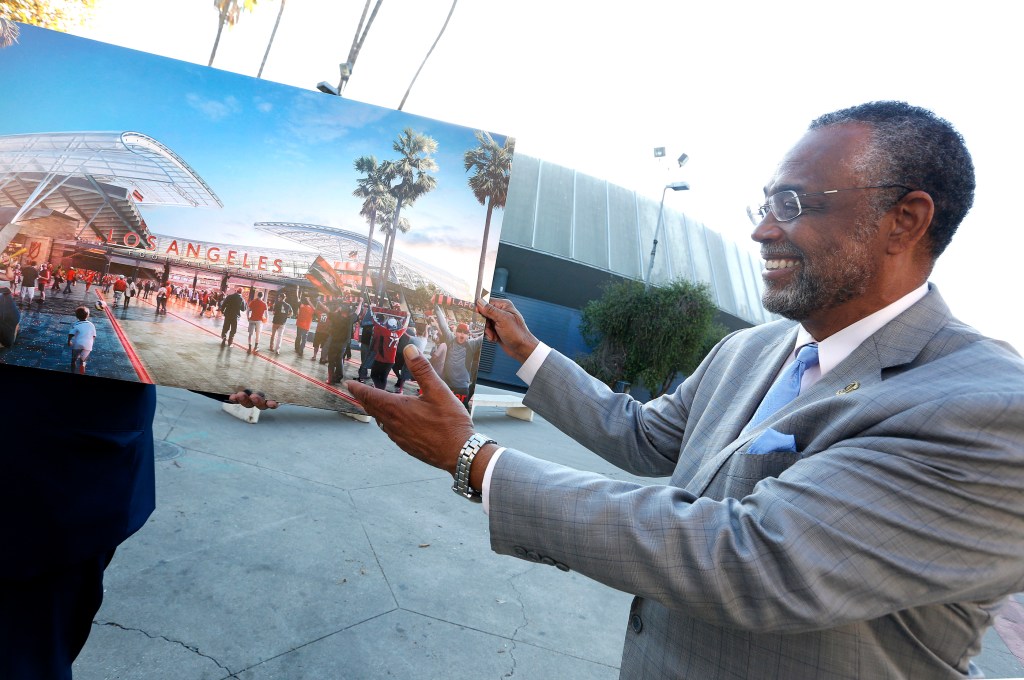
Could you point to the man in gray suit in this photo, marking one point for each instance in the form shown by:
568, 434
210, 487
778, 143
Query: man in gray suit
869, 527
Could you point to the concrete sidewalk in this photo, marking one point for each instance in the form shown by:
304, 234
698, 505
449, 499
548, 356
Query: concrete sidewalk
308, 547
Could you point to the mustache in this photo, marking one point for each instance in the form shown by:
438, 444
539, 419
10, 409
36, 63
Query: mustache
771, 251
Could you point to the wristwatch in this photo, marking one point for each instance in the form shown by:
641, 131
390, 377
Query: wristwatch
465, 462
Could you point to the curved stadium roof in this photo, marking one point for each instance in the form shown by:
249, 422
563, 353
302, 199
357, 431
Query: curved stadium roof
98, 177
99, 180
334, 243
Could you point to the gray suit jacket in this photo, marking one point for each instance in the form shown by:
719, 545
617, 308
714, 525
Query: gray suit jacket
878, 550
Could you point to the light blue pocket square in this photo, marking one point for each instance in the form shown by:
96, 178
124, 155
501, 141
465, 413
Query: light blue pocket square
772, 441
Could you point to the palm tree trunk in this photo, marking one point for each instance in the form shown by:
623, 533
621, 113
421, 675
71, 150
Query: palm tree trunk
478, 291
369, 246
383, 252
390, 250
272, 34
383, 259
220, 29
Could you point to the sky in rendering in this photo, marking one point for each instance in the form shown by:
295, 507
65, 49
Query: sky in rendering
271, 153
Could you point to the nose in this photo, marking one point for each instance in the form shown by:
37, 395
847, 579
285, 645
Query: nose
768, 229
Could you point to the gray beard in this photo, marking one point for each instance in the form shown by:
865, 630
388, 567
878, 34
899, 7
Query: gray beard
809, 294
825, 282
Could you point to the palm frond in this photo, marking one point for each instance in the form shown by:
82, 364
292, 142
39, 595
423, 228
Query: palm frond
9, 32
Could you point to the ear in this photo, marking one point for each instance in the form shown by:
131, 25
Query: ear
910, 220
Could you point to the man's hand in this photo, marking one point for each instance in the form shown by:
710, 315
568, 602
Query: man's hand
252, 399
506, 327
432, 427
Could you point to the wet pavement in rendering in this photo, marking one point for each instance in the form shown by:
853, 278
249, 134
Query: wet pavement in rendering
180, 348
43, 337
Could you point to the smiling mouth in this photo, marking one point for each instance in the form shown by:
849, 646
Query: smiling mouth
774, 264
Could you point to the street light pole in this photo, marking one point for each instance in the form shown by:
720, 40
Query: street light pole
674, 186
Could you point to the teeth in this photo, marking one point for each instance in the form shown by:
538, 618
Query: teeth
780, 264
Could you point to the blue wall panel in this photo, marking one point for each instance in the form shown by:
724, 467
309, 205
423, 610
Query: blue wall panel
556, 326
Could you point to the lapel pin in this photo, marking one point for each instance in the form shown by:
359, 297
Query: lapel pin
849, 388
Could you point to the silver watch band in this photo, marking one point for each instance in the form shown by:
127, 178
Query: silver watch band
466, 455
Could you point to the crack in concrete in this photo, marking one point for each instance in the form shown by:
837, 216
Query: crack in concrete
515, 633
311, 642
373, 551
194, 650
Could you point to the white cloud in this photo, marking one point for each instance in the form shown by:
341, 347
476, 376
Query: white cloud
215, 110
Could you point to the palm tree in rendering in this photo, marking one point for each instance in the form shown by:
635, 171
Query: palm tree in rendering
229, 11
410, 179
491, 164
390, 231
374, 187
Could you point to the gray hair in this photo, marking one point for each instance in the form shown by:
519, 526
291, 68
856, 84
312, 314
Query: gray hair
913, 147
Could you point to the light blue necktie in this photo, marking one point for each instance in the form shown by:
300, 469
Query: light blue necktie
787, 387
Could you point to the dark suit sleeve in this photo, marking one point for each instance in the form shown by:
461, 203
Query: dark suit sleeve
78, 466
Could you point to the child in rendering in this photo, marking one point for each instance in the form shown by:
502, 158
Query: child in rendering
80, 339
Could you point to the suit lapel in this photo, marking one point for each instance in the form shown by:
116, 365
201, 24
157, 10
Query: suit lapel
897, 343
763, 370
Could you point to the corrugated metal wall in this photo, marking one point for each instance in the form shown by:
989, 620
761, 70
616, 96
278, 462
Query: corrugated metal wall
563, 213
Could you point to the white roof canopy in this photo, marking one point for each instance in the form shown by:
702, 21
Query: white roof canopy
337, 244
98, 177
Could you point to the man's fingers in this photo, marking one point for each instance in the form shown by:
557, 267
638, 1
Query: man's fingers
360, 391
251, 399
380, 404
506, 326
495, 312
491, 309
410, 352
422, 372
373, 401
260, 401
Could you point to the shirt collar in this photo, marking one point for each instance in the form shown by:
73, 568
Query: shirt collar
833, 349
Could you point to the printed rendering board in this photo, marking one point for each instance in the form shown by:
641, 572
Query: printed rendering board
116, 163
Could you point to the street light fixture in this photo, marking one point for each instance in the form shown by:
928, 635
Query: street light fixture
674, 186
327, 88
660, 152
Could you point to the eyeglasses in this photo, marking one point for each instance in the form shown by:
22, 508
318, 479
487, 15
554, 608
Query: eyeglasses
785, 205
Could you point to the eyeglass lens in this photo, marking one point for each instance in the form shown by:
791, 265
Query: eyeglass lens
785, 205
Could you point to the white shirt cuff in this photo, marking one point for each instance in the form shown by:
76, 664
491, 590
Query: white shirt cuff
487, 478
529, 369
526, 373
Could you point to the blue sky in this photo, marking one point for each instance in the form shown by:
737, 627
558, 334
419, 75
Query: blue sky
270, 152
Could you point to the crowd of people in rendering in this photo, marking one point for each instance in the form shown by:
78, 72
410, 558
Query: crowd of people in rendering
332, 327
